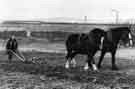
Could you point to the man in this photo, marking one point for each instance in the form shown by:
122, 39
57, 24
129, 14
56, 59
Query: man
11, 46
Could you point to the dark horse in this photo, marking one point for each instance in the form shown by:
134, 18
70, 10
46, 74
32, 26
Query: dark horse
87, 44
111, 40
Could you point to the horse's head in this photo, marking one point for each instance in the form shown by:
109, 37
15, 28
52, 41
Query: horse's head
127, 36
98, 32
123, 34
98, 35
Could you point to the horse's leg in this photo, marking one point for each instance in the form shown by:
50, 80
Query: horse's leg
93, 61
94, 64
73, 62
68, 57
101, 58
114, 67
88, 62
86, 66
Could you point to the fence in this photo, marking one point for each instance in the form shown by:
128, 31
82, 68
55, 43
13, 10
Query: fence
52, 31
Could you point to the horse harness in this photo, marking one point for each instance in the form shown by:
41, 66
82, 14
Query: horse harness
80, 37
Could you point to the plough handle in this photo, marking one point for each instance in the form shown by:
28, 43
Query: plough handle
18, 55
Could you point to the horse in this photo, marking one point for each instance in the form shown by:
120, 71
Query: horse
85, 44
111, 40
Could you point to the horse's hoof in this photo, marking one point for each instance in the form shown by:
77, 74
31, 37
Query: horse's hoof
115, 68
94, 67
67, 66
99, 66
86, 67
96, 71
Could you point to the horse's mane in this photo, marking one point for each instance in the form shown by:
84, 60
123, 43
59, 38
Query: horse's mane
120, 28
97, 30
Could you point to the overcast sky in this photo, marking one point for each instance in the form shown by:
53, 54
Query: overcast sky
98, 10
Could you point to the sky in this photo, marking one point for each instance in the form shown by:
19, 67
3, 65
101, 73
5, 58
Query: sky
95, 10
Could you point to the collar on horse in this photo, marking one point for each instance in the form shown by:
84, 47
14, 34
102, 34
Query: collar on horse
101, 41
90, 37
101, 45
82, 37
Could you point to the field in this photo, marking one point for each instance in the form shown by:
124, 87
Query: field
51, 31
49, 72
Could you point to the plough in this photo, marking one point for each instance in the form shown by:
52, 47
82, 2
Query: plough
34, 60
19, 55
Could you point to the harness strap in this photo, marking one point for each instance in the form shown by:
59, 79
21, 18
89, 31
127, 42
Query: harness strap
101, 45
90, 37
130, 39
80, 37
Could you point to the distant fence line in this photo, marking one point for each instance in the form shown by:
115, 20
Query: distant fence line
52, 32
70, 27
50, 36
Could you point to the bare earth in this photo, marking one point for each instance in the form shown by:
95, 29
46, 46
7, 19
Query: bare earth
49, 72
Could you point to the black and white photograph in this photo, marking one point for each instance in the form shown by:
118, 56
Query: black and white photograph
67, 44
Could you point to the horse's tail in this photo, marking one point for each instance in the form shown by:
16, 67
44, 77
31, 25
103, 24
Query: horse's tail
70, 41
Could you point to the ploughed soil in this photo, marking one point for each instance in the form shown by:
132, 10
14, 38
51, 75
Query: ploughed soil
49, 73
